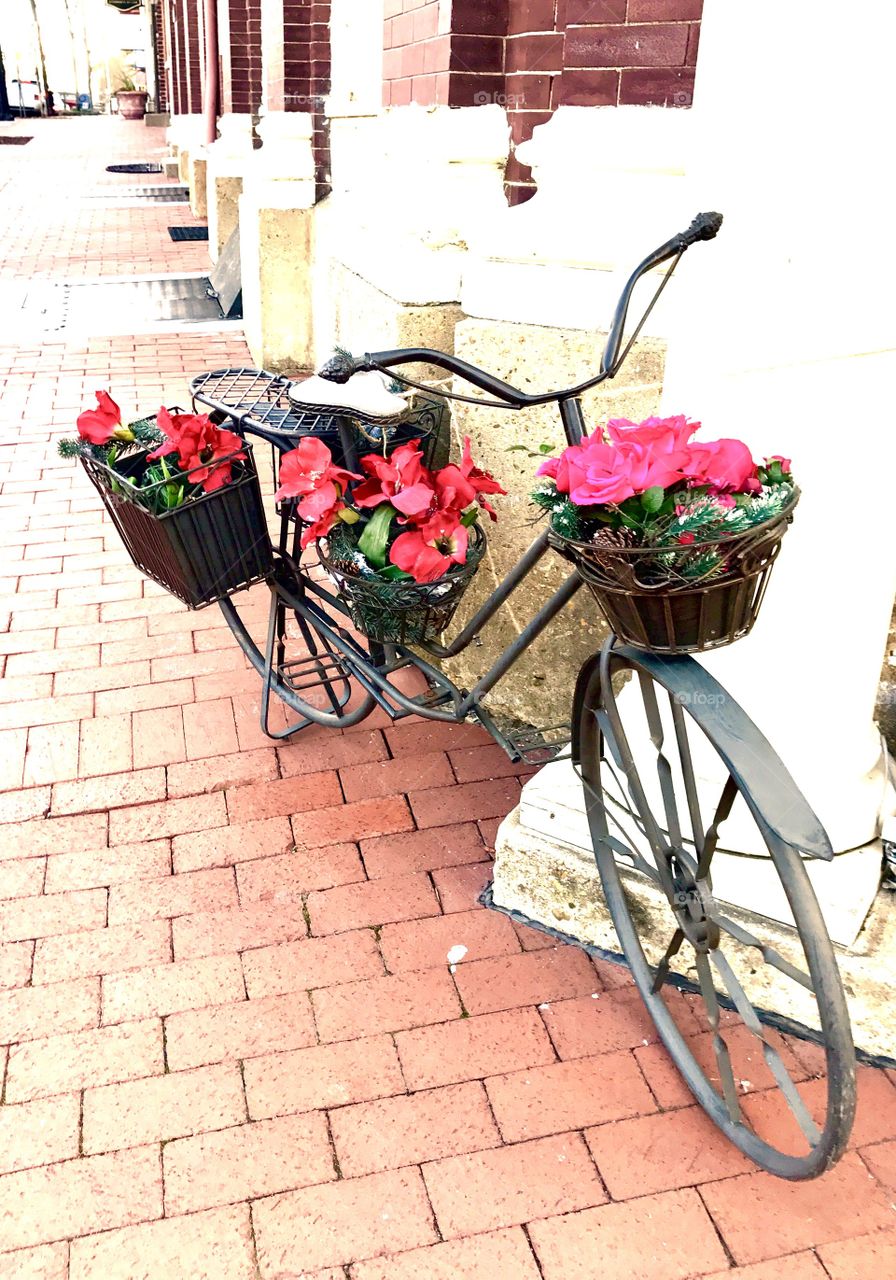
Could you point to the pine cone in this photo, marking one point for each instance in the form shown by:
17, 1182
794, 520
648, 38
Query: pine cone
621, 537
620, 568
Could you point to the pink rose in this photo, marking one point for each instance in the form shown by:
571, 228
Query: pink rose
667, 434
723, 464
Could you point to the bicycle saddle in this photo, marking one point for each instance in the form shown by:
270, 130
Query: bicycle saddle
364, 397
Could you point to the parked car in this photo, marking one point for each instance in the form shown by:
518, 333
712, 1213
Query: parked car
24, 97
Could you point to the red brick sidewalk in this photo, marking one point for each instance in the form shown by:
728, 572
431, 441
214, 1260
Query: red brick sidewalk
236, 1048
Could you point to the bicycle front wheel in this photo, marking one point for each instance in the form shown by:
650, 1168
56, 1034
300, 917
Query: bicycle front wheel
654, 737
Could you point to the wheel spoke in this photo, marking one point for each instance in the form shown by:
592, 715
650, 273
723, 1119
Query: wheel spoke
687, 771
625, 848
612, 728
662, 969
723, 808
769, 1052
663, 767
723, 1058
769, 954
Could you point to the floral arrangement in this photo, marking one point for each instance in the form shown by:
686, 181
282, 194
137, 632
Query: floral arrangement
188, 453
403, 521
651, 485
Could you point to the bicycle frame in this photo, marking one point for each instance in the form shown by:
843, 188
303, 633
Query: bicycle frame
372, 675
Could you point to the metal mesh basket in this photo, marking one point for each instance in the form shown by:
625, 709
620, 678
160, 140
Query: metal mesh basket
397, 612
201, 551
678, 613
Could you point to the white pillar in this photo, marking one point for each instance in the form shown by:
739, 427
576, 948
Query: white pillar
783, 335
789, 341
275, 221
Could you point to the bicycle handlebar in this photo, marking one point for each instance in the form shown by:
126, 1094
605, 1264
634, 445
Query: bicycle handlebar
705, 226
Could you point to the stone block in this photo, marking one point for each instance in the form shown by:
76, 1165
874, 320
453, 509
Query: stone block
198, 188
275, 248
557, 884
538, 690
224, 191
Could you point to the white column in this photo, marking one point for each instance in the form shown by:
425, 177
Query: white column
788, 340
783, 335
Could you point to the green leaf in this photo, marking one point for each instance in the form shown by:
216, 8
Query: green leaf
392, 573
652, 498
372, 542
545, 448
469, 517
517, 448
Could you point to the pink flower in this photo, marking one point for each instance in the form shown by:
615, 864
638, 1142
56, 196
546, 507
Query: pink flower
99, 425
726, 465
400, 479
594, 473
784, 462
458, 487
307, 472
428, 552
667, 434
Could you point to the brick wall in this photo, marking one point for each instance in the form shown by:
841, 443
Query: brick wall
306, 71
241, 91
185, 48
158, 53
531, 56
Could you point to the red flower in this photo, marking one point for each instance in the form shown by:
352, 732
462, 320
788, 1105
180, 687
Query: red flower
459, 486
429, 551
401, 479
199, 446
307, 472
99, 425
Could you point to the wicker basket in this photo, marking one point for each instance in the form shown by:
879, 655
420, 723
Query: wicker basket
201, 551
398, 612
681, 615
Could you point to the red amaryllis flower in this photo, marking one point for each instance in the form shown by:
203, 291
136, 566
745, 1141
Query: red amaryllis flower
218, 444
186, 434
199, 446
429, 551
457, 487
401, 479
307, 472
99, 425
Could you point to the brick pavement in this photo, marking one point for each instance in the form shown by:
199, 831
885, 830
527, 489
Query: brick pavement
232, 1045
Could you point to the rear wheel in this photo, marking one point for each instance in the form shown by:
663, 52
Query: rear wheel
646, 754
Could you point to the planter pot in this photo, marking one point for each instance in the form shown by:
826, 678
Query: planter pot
202, 551
398, 612
681, 616
132, 103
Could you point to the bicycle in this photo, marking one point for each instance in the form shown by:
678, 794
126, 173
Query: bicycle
650, 834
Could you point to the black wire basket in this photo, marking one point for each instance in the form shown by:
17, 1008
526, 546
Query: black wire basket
397, 612
651, 602
202, 551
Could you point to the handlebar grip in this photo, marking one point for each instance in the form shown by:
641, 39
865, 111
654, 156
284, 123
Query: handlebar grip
342, 366
704, 227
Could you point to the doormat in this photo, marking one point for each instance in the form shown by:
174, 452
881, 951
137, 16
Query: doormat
133, 168
13, 139
188, 233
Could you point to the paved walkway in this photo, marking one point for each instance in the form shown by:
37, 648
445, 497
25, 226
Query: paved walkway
235, 1046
